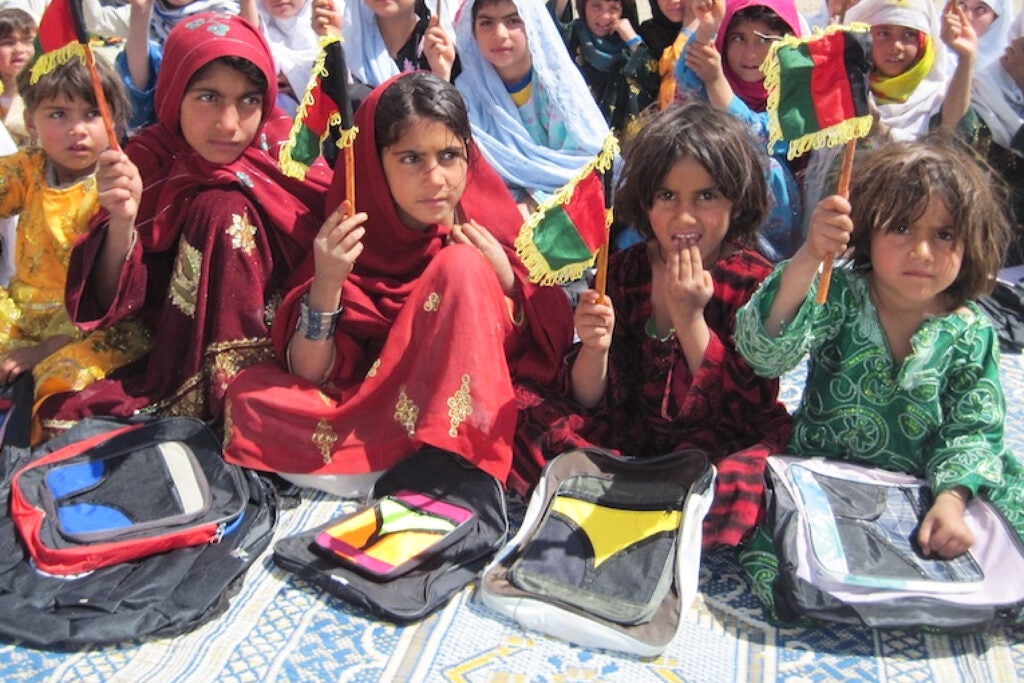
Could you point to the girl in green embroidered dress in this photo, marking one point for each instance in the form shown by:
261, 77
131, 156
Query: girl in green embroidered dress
903, 371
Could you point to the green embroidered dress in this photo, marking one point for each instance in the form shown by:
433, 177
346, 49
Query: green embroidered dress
938, 415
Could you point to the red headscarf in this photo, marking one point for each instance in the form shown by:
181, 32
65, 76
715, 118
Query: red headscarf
753, 94
394, 255
172, 172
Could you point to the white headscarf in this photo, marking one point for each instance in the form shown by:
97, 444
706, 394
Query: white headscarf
293, 43
367, 55
997, 98
497, 125
909, 120
996, 38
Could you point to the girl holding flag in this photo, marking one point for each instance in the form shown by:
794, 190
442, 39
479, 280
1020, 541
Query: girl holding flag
414, 316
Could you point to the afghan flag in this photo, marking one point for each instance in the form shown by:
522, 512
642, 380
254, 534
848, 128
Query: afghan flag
818, 88
61, 37
560, 240
325, 107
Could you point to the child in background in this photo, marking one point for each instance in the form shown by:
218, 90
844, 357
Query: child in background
664, 37
386, 37
201, 231
17, 33
617, 65
53, 189
991, 22
903, 371
532, 114
416, 315
722, 63
149, 23
656, 370
909, 81
997, 96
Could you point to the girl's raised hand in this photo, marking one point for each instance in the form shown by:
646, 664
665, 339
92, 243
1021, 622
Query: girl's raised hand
439, 49
476, 235
594, 321
335, 250
688, 287
119, 185
325, 19
957, 31
704, 60
709, 15
829, 229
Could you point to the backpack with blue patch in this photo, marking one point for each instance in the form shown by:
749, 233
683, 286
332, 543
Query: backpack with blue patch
125, 531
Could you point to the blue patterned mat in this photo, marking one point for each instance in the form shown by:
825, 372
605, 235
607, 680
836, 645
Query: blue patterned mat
279, 628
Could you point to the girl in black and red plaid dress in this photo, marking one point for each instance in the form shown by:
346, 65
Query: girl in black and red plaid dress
656, 370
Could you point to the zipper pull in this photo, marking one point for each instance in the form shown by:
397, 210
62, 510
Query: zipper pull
218, 535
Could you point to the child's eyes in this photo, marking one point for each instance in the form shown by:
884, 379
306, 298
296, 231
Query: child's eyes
93, 113
707, 196
253, 100
946, 235
664, 196
450, 155
410, 158
484, 23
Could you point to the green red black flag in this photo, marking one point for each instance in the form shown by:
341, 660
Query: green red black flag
325, 106
60, 38
818, 88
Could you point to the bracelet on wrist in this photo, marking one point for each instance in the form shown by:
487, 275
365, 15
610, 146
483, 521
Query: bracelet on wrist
652, 331
634, 41
316, 325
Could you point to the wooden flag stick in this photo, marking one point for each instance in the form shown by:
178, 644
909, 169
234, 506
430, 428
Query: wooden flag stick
601, 278
101, 98
844, 190
350, 178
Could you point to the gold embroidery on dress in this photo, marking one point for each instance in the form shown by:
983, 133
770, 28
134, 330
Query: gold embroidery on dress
324, 438
228, 422
325, 398
432, 303
459, 407
243, 233
406, 412
188, 267
372, 372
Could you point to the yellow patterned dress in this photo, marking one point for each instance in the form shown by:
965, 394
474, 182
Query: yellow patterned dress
32, 306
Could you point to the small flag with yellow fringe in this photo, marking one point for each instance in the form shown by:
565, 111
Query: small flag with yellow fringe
325, 106
559, 241
61, 37
818, 88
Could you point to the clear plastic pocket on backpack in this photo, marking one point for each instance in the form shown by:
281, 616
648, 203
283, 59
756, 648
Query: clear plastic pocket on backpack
107, 498
605, 547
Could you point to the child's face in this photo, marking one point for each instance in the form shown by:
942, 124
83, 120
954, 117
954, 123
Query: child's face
979, 14
221, 113
501, 35
426, 172
16, 50
389, 9
913, 265
893, 48
283, 9
674, 10
71, 132
688, 207
746, 45
602, 16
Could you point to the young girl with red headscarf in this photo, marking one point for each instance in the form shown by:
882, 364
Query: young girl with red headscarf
416, 316
201, 233
722, 64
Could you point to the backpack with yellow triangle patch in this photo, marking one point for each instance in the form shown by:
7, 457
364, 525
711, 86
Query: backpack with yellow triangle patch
609, 550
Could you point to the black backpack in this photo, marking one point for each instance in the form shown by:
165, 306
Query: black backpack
416, 590
156, 595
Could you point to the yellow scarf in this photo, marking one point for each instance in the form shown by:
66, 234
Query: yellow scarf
896, 89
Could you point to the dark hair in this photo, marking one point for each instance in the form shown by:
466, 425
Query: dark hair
761, 13
715, 139
480, 4
72, 80
419, 94
629, 10
893, 184
251, 72
14, 20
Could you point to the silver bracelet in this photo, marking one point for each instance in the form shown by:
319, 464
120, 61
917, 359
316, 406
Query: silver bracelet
316, 325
